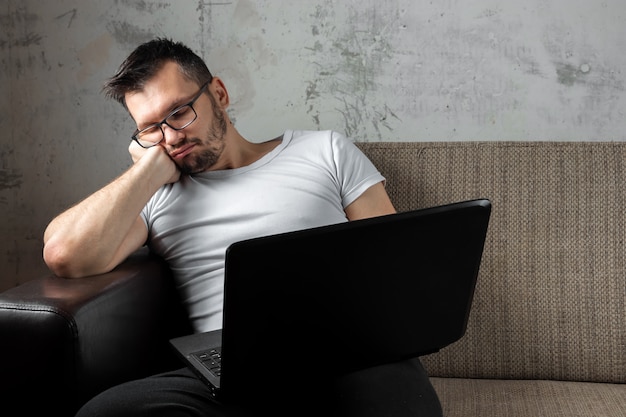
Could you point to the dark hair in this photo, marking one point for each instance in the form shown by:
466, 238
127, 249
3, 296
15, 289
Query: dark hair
146, 60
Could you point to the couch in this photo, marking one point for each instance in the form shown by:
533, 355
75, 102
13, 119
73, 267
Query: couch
547, 329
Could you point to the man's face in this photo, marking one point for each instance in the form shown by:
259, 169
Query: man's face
197, 147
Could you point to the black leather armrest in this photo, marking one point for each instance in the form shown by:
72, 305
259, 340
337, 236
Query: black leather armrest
64, 340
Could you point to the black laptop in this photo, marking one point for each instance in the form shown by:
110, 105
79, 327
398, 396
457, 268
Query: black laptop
303, 306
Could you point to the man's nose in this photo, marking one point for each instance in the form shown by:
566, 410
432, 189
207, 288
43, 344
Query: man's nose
172, 136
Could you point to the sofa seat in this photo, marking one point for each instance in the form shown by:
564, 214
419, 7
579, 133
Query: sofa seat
549, 305
464, 397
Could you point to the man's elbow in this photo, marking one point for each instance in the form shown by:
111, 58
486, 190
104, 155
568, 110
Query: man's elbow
62, 261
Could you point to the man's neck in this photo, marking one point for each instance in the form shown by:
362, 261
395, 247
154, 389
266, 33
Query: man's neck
240, 152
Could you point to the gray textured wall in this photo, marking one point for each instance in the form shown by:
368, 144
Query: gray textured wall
375, 70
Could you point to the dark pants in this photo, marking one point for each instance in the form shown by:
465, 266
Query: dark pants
397, 389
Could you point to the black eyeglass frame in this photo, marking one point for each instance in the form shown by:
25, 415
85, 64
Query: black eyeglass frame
172, 113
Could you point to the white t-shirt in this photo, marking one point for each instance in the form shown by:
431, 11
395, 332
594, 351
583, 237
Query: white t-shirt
306, 181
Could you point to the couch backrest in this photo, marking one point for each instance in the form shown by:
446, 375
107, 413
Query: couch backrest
551, 296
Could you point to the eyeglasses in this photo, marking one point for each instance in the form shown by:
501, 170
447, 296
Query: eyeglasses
178, 119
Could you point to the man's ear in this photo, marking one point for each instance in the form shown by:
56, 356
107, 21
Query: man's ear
218, 89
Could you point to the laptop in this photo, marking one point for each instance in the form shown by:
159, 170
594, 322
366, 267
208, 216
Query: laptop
304, 306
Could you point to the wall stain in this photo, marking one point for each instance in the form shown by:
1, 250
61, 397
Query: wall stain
311, 91
94, 56
9, 179
568, 74
128, 34
352, 58
144, 6
25, 41
20, 17
71, 14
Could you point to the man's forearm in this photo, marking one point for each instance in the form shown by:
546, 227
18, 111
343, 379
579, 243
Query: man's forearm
87, 238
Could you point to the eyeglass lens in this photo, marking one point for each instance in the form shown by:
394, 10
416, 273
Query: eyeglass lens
179, 119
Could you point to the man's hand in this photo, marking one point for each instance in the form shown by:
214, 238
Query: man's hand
157, 156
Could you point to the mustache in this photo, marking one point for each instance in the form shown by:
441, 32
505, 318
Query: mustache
186, 142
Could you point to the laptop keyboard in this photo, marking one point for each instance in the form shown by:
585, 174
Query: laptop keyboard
212, 360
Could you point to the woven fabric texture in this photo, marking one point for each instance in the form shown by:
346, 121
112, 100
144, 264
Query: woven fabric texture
550, 302
497, 398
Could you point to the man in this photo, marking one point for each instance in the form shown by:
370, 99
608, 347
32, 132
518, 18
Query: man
196, 186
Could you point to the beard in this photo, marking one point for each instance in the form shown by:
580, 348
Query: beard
209, 149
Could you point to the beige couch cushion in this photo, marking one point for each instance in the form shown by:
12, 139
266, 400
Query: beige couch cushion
512, 398
551, 296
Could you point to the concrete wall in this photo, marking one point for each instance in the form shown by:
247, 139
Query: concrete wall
375, 70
